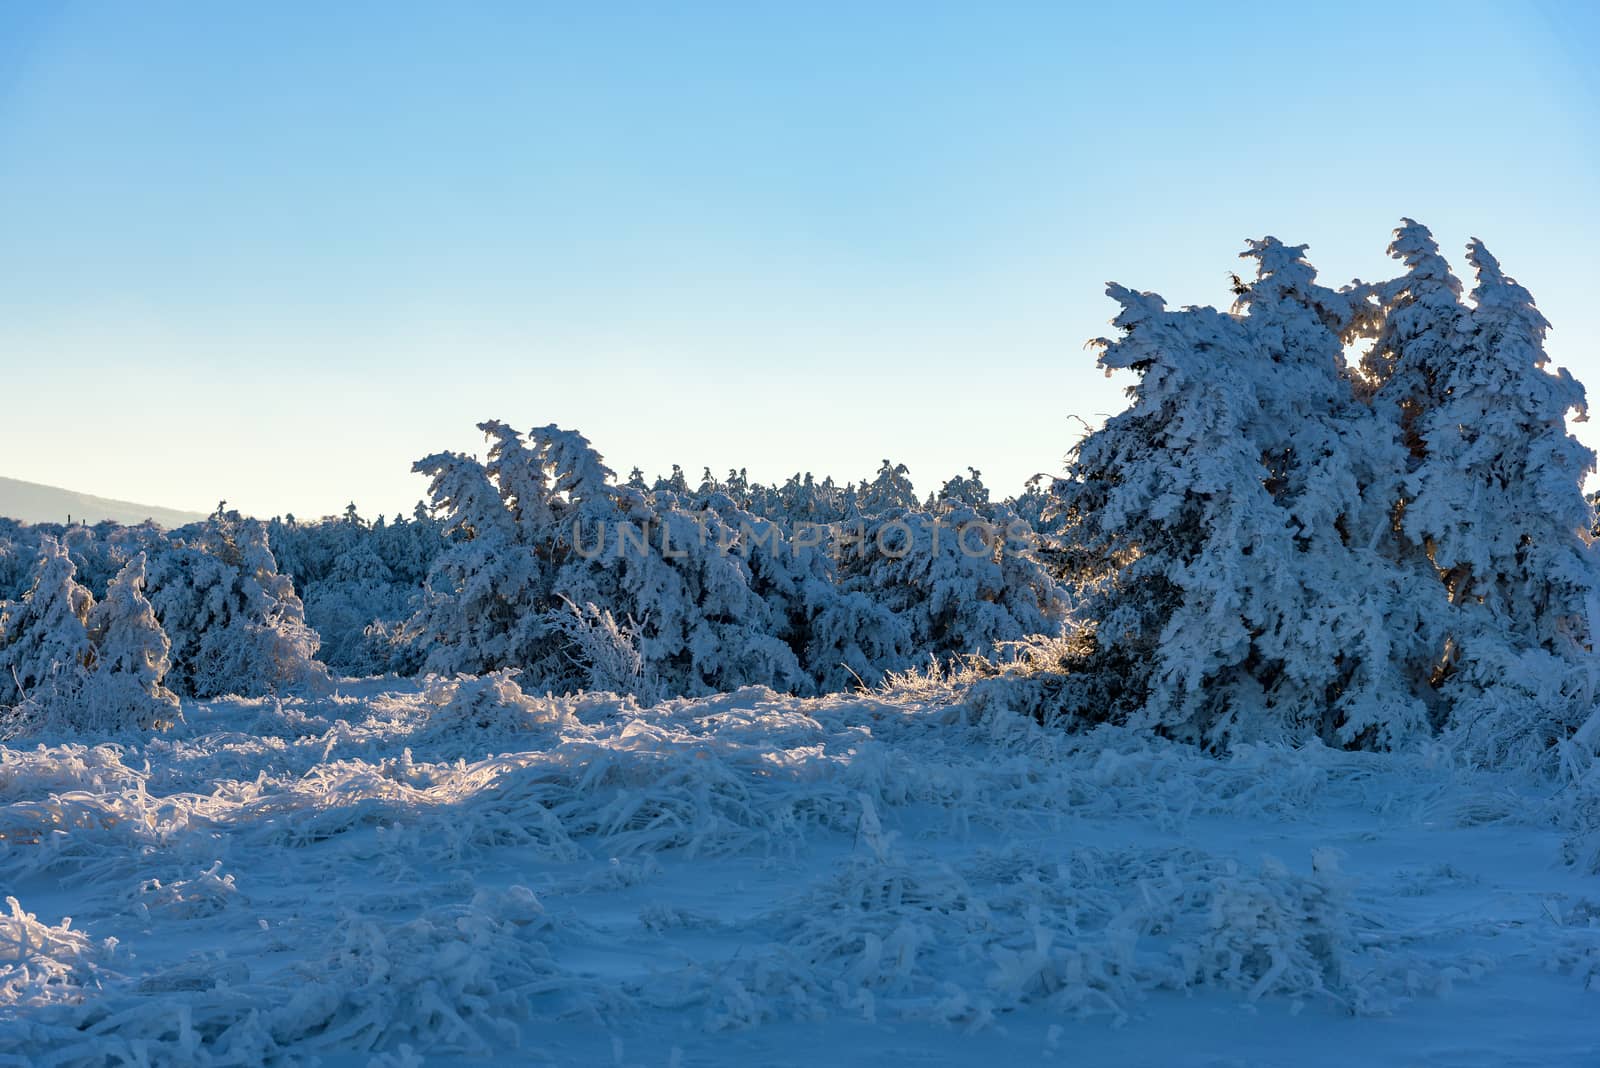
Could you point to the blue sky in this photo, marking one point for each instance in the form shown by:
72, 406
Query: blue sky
275, 254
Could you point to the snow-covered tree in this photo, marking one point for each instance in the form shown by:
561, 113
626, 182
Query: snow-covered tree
461, 489
678, 575
1336, 466
966, 490
889, 489
17, 556
1164, 503
1499, 509
579, 472
1227, 531
485, 597
45, 650
1419, 324
358, 591
519, 473
1498, 500
126, 690
1271, 542
674, 483
235, 623
956, 578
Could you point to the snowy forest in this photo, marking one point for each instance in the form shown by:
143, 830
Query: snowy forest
1336, 529
1355, 515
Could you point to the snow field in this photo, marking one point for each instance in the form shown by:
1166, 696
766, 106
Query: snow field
457, 870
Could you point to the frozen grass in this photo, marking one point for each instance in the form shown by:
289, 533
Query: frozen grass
463, 870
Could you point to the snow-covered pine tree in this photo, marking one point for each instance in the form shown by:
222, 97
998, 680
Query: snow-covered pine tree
838, 638
93, 552
802, 499
1268, 541
708, 485
675, 483
662, 569
1353, 635
1418, 323
235, 623
190, 591
1230, 533
955, 577
286, 648
524, 487
1498, 506
964, 489
126, 690
485, 596
45, 651
460, 489
737, 489
889, 489
579, 472
1164, 505
1037, 504
679, 578
1499, 495
17, 556
358, 591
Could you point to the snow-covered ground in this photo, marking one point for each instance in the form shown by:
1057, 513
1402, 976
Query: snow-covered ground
458, 873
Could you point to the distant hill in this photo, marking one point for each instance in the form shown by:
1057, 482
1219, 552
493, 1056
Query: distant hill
33, 503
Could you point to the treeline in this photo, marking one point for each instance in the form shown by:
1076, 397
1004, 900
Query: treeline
1351, 514
116, 622
537, 559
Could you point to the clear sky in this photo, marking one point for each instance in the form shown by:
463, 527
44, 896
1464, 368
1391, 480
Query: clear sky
276, 252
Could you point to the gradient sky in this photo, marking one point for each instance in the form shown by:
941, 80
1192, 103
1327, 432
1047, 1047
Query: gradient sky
276, 253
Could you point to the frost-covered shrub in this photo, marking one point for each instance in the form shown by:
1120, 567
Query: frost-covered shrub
604, 651
457, 978
43, 965
1577, 806
206, 894
487, 704
1092, 932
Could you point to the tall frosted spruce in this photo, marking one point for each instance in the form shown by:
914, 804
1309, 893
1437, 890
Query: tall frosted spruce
126, 690
1271, 542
